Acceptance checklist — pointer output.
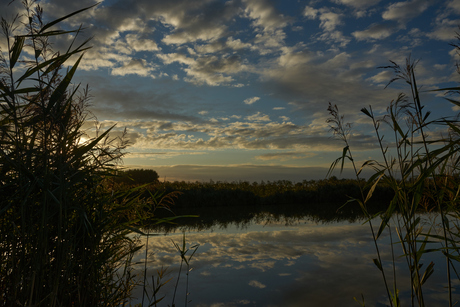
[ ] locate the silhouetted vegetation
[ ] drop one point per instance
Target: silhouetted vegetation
(423, 171)
(136, 176)
(61, 239)
(311, 194)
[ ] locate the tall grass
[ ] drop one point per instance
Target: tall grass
(63, 230)
(421, 169)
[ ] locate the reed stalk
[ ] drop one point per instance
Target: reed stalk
(420, 169)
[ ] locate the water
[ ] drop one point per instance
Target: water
(281, 263)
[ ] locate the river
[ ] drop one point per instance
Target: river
(269, 261)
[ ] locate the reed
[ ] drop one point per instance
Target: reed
(64, 231)
(421, 170)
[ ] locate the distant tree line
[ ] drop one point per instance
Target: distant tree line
(136, 176)
(327, 194)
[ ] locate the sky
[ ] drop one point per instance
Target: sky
(239, 89)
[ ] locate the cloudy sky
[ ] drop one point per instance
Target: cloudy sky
(239, 89)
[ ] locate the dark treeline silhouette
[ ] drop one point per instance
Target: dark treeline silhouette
(312, 193)
(136, 176)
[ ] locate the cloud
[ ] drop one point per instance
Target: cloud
(264, 15)
(284, 118)
(193, 21)
(405, 11)
(310, 12)
(184, 37)
(134, 67)
(222, 45)
(455, 5)
(334, 37)
(256, 284)
(251, 100)
(445, 29)
(444, 33)
(334, 77)
(207, 69)
(291, 57)
(329, 19)
(258, 117)
(375, 31)
(284, 156)
(382, 77)
(359, 4)
(141, 44)
(256, 134)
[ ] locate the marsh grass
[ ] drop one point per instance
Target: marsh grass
(421, 170)
(183, 250)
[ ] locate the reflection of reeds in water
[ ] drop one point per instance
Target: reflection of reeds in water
(422, 172)
(222, 217)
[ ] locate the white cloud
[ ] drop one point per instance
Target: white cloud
(169, 58)
(382, 77)
(210, 70)
(257, 284)
(141, 44)
(335, 37)
(201, 77)
(236, 44)
(284, 156)
(258, 117)
(310, 12)
(455, 5)
(251, 100)
(340, 60)
(187, 37)
(290, 57)
(406, 10)
(265, 15)
(133, 24)
(269, 42)
(445, 29)
(134, 67)
(359, 4)
(284, 118)
(329, 19)
(375, 32)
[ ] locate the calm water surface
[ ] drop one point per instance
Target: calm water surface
(281, 263)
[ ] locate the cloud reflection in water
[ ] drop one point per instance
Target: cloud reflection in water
(306, 264)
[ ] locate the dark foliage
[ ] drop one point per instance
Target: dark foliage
(311, 193)
(137, 176)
